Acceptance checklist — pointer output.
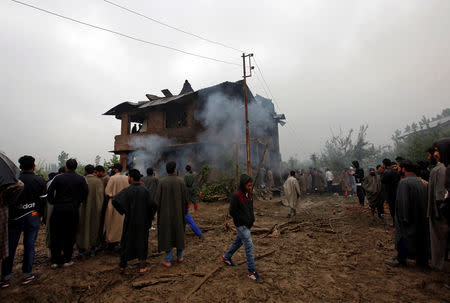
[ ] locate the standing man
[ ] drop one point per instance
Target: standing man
(25, 215)
(292, 193)
(65, 193)
(309, 184)
(411, 230)
(390, 179)
(302, 181)
(10, 189)
(359, 179)
(113, 219)
(329, 177)
(90, 214)
(241, 210)
(345, 182)
(138, 207)
(171, 197)
(150, 181)
(104, 177)
(372, 187)
(436, 197)
(190, 179)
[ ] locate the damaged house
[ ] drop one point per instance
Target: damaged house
(197, 127)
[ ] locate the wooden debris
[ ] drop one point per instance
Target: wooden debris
(199, 284)
(141, 284)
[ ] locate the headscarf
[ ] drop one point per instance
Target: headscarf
(355, 164)
(371, 167)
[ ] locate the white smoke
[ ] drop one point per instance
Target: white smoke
(223, 120)
(149, 149)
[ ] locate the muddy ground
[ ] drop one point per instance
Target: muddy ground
(330, 252)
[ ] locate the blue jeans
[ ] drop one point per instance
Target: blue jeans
(243, 237)
(193, 226)
(29, 224)
(169, 255)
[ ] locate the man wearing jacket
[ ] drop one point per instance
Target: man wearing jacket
(65, 193)
(24, 216)
(241, 210)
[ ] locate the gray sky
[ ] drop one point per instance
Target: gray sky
(329, 64)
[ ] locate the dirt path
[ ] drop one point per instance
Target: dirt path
(330, 252)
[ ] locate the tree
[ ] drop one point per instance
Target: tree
(114, 159)
(97, 160)
(413, 145)
(341, 149)
(62, 158)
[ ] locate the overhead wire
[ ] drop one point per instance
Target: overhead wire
(125, 35)
(264, 83)
(172, 27)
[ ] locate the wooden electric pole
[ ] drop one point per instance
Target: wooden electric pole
(247, 131)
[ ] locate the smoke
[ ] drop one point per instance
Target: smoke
(148, 151)
(223, 121)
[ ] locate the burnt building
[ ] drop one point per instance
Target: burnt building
(181, 119)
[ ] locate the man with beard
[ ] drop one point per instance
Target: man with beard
(411, 230)
(113, 219)
(138, 207)
(390, 179)
(359, 179)
(436, 204)
(372, 187)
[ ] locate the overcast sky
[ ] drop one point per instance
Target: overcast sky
(329, 64)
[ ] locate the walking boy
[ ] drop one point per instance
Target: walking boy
(241, 210)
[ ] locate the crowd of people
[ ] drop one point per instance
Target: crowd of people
(416, 194)
(115, 211)
(98, 211)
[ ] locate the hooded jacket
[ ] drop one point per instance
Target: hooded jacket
(359, 173)
(241, 204)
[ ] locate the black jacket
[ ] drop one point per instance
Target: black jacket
(390, 180)
(241, 205)
(67, 191)
(30, 199)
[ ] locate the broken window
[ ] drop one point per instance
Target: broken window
(176, 119)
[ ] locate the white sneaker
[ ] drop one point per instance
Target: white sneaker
(67, 264)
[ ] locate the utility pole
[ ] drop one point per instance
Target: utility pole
(247, 131)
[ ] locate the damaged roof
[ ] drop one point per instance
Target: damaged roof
(186, 91)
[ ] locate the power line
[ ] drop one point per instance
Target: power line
(124, 35)
(264, 83)
(172, 27)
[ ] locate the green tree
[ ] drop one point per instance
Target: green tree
(97, 160)
(412, 146)
(62, 158)
(114, 159)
